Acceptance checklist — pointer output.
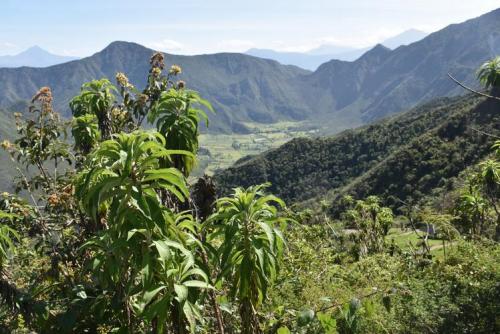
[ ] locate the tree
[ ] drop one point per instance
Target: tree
(96, 98)
(372, 222)
(10, 295)
(489, 73)
(177, 117)
(443, 224)
(144, 251)
(252, 244)
(479, 204)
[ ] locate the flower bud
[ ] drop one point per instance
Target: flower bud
(175, 69)
(6, 144)
(156, 71)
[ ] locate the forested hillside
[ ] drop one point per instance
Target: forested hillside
(405, 156)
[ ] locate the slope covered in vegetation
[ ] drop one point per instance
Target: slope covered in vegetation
(7, 132)
(404, 156)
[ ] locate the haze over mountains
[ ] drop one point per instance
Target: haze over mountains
(313, 58)
(243, 88)
(35, 56)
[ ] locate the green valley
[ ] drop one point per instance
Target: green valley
(220, 151)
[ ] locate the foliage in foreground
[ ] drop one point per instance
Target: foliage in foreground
(121, 242)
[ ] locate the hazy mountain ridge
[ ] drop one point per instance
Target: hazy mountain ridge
(34, 57)
(243, 88)
(312, 59)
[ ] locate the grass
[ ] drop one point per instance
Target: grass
(408, 239)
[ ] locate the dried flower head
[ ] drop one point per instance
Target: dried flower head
(122, 80)
(175, 69)
(156, 71)
(69, 189)
(44, 96)
(6, 145)
(142, 99)
(157, 60)
(26, 212)
(119, 114)
(181, 84)
(53, 200)
(17, 115)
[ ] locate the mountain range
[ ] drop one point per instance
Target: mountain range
(313, 58)
(243, 88)
(35, 56)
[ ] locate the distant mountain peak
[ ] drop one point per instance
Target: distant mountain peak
(312, 59)
(36, 48)
(247, 89)
(379, 48)
(406, 37)
(376, 52)
(35, 51)
(34, 56)
(121, 44)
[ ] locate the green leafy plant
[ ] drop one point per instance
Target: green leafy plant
(489, 73)
(96, 98)
(371, 221)
(252, 244)
(177, 118)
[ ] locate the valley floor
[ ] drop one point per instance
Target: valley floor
(220, 151)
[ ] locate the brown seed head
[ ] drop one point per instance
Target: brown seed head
(122, 80)
(157, 60)
(181, 84)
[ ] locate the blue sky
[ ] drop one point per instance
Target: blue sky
(80, 28)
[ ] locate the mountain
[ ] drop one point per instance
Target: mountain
(384, 81)
(406, 37)
(34, 57)
(405, 157)
(312, 59)
(242, 88)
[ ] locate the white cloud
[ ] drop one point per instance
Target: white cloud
(358, 40)
(7, 47)
(361, 39)
(235, 45)
(284, 47)
(70, 53)
(168, 45)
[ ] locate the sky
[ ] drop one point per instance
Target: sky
(83, 27)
